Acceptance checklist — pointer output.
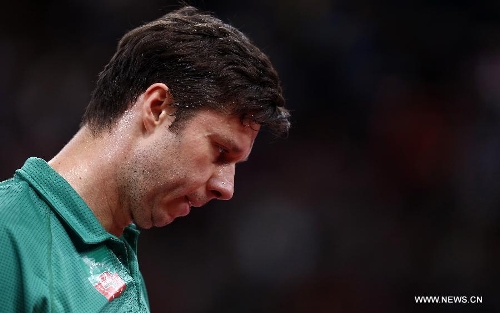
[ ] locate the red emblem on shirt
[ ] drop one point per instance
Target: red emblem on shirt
(110, 285)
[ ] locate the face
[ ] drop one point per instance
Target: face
(168, 173)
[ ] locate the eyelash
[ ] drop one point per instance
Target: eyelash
(222, 150)
(223, 154)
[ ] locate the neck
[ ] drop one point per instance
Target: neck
(90, 165)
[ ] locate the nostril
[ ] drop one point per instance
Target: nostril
(217, 194)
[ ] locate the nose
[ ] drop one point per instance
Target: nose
(221, 184)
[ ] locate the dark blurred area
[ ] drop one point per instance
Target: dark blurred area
(387, 187)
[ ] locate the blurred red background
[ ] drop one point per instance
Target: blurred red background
(386, 188)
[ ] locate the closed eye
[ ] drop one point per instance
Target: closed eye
(223, 150)
(222, 154)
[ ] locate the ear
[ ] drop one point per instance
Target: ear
(156, 107)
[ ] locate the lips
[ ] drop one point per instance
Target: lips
(194, 204)
(189, 201)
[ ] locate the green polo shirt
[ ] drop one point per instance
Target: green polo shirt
(54, 254)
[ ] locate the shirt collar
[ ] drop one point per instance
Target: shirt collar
(67, 203)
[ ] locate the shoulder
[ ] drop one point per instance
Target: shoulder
(24, 233)
(23, 214)
(18, 201)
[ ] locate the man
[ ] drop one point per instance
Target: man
(173, 112)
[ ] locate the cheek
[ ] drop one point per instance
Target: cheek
(178, 177)
(195, 161)
(176, 169)
(190, 175)
(143, 171)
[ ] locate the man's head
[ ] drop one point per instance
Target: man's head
(182, 100)
(205, 63)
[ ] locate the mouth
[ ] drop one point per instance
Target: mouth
(194, 204)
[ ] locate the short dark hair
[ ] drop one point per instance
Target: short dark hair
(205, 63)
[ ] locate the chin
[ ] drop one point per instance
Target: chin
(161, 220)
(169, 213)
(163, 223)
(143, 224)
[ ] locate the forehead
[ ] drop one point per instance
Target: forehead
(229, 127)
